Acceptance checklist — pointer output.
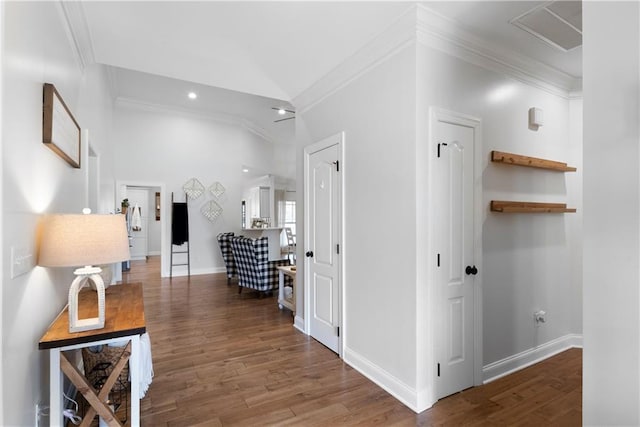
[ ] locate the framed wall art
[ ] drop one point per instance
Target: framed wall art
(60, 131)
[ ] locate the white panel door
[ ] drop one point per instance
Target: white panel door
(322, 177)
(455, 271)
(139, 239)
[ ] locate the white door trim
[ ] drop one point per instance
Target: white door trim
(438, 114)
(337, 139)
(2, 57)
(92, 153)
(164, 209)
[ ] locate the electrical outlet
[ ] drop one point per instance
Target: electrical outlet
(21, 261)
(539, 317)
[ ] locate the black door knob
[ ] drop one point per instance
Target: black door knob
(471, 270)
(309, 254)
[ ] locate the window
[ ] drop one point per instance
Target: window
(287, 219)
(290, 215)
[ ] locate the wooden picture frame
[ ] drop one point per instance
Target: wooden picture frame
(60, 131)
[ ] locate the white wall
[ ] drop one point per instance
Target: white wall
(528, 262)
(377, 114)
(284, 161)
(96, 104)
(611, 357)
(2, 264)
(37, 49)
(162, 146)
(575, 231)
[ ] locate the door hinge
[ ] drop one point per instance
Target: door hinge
(438, 260)
(338, 248)
(337, 331)
(337, 163)
(438, 369)
(444, 144)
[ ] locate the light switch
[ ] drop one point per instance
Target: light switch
(21, 261)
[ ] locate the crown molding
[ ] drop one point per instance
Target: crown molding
(421, 25)
(257, 130)
(79, 31)
(577, 93)
(228, 119)
(394, 38)
(439, 32)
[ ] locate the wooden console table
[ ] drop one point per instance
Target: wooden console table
(124, 320)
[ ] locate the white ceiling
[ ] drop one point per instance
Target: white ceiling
(489, 20)
(272, 49)
(252, 111)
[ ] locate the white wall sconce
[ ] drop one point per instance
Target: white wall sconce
(536, 118)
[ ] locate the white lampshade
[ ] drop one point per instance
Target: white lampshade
(84, 240)
(72, 240)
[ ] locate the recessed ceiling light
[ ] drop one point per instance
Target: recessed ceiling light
(192, 95)
(245, 170)
(282, 111)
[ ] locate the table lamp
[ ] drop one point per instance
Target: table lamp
(71, 240)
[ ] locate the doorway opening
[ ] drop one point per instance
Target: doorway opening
(146, 223)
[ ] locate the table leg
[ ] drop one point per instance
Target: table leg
(293, 295)
(55, 389)
(280, 288)
(134, 368)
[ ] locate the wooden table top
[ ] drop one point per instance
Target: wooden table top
(288, 269)
(124, 316)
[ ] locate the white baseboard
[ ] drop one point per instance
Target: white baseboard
(398, 389)
(182, 271)
(154, 253)
(514, 363)
(298, 323)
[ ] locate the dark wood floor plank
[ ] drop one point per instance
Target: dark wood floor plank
(228, 359)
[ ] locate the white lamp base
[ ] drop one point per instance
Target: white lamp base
(84, 275)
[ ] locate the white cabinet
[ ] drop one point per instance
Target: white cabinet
(265, 202)
(258, 197)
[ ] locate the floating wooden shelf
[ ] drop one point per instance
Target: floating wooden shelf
(531, 162)
(529, 207)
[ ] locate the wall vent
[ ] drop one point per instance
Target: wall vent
(557, 23)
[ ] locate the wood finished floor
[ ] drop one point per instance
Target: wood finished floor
(223, 359)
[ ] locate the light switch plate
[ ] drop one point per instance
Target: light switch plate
(21, 261)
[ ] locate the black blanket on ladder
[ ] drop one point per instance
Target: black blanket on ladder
(179, 224)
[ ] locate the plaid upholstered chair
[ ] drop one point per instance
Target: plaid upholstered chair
(224, 241)
(255, 271)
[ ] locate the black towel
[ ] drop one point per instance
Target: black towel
(179, 224)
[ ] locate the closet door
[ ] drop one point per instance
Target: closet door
(139, 238)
